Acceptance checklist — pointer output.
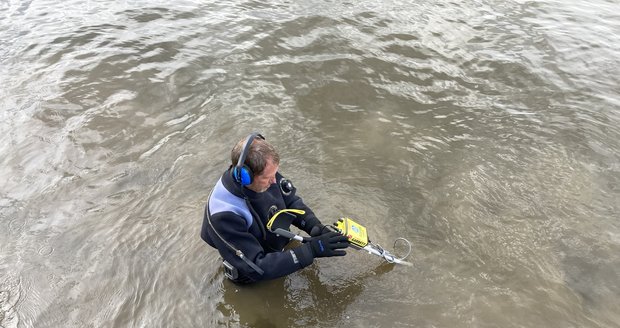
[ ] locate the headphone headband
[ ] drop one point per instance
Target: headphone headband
(246, 148)
(240, 172)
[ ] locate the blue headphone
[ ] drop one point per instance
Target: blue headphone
(241, 172)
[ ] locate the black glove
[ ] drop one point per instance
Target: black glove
(318, 230)
(328, 244)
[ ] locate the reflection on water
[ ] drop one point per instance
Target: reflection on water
(310, 299)
(486, 133)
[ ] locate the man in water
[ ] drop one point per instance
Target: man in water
(239, 207)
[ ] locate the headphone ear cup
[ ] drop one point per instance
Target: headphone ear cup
(246, 175)
(235, 174)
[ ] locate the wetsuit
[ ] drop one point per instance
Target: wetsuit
(240, 217)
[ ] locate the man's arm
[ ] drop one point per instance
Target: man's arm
(233, 229)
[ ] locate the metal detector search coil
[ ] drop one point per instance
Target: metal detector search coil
(355, 232)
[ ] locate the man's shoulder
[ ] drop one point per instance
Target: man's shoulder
(223, 203)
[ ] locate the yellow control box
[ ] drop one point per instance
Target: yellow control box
(355, 232)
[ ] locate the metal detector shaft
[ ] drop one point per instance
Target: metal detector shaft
(290, 235)
(372, 249)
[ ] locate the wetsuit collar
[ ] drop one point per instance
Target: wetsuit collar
(231, 185)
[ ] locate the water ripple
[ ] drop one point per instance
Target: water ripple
(486, 132)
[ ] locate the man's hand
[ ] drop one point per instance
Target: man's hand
(328, 244)
(319, 229)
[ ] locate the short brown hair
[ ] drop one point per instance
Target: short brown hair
(260, 152)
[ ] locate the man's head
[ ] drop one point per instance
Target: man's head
(262, 160)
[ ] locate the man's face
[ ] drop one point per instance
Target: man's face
(261, 182)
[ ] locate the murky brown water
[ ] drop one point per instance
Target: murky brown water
(485, 132)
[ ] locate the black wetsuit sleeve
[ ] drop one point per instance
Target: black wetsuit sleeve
(233, 229)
